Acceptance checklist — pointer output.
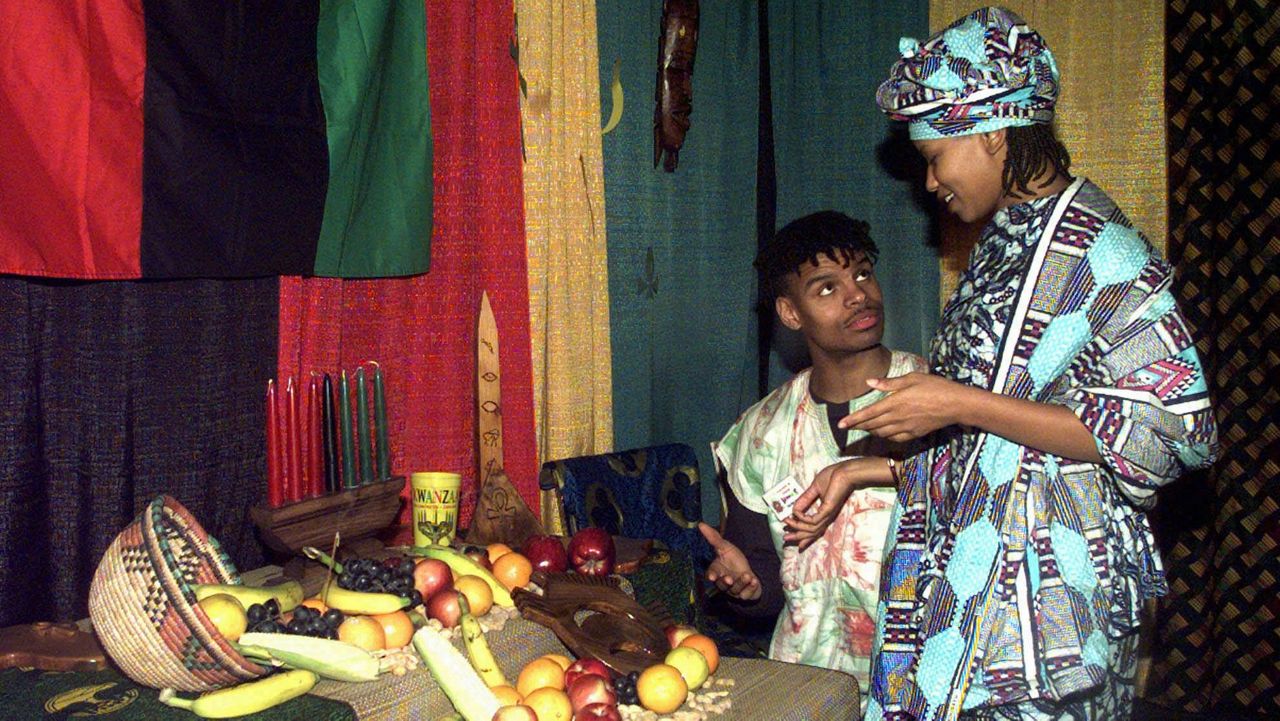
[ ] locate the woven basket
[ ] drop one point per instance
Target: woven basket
(144, 610)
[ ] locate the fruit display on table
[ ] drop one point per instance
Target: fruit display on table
(681, 688)
(374, 616)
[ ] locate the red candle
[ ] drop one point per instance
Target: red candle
(275, 487)
(315, 456)
(293, 474)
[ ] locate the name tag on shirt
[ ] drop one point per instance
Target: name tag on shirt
(782, 497)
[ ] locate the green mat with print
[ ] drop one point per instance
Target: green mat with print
(31, 694)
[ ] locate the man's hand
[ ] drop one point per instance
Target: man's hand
(730, 570)
(833, 485)
(917, 404)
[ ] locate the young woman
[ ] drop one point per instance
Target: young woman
(1065, 389)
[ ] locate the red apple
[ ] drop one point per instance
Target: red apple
(586, 667)
(596, 712)
(479, 554)
(587, 690)
(547, 554)
(431, 575)
(678, 632)
(591, 552)
(444, 607)
(517, 712)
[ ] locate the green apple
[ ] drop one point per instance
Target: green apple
(691, 665)
(227, 614)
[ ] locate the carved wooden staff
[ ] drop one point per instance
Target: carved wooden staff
(501, 515)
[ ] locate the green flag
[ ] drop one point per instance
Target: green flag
(372, 59)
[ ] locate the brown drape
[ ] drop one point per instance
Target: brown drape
(1218, 643)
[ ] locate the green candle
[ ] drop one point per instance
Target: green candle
(348, 444)
(362, 421)
(380, 420)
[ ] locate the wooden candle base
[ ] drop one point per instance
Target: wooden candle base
(356, 513)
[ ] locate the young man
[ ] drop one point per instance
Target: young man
(820, 271)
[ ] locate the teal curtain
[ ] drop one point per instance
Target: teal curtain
(834, 149)
(680, 244)
(682, 289)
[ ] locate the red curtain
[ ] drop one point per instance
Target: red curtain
(422, 329)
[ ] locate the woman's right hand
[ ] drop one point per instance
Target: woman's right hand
(833, 485)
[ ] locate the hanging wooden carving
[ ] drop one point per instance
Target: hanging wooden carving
(677, 47)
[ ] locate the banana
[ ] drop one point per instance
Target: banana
(478, 650)
(463, 565)
(288, 594)
(361, 603)
(245, 698)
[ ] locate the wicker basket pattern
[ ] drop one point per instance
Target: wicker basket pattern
(144, 610)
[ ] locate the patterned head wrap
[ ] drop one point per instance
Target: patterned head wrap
(986, 71)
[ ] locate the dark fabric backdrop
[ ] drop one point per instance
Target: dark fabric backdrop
(833, 148)
(115, 392)
(1218, 636)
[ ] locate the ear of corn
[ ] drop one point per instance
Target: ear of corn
(459, 681)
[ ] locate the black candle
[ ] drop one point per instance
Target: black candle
(330, 432)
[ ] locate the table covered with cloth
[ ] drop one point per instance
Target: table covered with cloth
(763, 690)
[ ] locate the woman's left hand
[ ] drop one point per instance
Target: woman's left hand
(917, 404)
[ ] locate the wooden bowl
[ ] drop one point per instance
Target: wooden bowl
(356, 513)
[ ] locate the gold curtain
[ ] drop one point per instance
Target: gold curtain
(564, 227)
(1110, 114)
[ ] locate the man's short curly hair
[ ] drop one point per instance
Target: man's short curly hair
(826, 232)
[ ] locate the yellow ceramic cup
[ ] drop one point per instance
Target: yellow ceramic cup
(435, 507)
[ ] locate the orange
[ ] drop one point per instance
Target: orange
(479, 595)
(364, 632)
(507, 695)
(551, 704)
(497, 550)
(661, 688)
(397, 628)
(539, 673)
(315, 603)
(513, 570)
(706, 647)
(564, 661)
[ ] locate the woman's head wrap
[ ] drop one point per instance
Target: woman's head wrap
(986, 71)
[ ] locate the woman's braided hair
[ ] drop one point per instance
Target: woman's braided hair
(1032, 149)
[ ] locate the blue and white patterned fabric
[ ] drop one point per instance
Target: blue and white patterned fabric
(1014, 578)
(650, 492)
(986, 71)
